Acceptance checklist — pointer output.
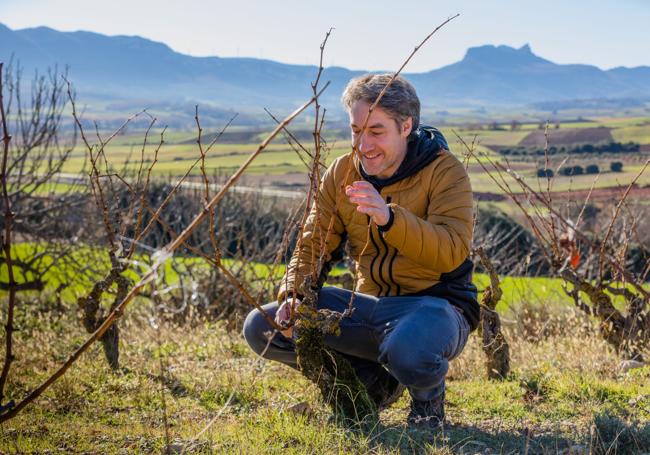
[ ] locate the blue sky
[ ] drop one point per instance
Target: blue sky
(368, 35)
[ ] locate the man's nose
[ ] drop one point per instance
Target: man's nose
(366, 144)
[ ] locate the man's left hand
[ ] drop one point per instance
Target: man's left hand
(369, 201)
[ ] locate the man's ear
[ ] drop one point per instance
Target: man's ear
(407, 125)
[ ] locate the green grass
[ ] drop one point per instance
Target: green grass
(485, 137)
(621, 122)
(220, 398)
(639, 134)
(536, 291)
(49, 188)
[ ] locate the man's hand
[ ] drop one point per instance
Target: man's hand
(283, 315)
(369, 201)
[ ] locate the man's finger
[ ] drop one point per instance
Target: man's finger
(364, 195)
(372, 211)
(368, 187)
(367, 194)
(367, 202)
(362, 183)
(282, 314)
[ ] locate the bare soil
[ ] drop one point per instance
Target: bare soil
(612, 193)
(297, 181)
(568, 137)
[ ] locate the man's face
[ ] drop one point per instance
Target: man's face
(383, 146)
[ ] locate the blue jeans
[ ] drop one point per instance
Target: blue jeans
(414, 338)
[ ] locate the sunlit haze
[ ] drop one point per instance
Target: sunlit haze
(368, 35)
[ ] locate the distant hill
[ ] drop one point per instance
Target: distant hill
(132, 68)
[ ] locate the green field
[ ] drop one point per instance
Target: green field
(640, 134)
(535, 291)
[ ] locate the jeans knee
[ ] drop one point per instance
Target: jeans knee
(414, 367)
(253, 331)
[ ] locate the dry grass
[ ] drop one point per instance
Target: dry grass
(565, 382)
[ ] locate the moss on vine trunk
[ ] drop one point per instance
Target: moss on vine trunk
(328, 369)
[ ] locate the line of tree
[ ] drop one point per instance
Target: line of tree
(567, 171)
(583, 149)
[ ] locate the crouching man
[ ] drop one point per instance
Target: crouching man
(415, 304)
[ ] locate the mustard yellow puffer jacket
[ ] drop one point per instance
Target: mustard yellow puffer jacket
(430, 235)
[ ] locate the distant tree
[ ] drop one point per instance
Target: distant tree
(515, 125)
(545, 173)
(592, 169)
(571, 170)
(616, 166)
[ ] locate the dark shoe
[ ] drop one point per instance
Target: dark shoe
(385, 391)
(427, 414)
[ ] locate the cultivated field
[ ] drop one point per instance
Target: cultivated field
(280, 165)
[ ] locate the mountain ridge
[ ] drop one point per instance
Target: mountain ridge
(126, 67)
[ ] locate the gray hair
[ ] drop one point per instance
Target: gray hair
(399, 101)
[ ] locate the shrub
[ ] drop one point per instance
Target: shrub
(572, 170)
(616, 166)
(510, 246)
(547, 173)
(592, 169)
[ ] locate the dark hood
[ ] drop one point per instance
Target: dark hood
(424, 144)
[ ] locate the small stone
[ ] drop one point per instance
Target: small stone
(175, 448)
(577, 449)
(627, 365)
(301, 408)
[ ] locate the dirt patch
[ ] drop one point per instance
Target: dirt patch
(612, 193)
(568, 137)
(297, 181)
(476, 168)
(489, 197)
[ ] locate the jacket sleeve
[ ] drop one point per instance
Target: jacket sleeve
(304, 260)
(440, 242)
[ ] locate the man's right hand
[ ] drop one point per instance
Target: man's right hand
(283, 315)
